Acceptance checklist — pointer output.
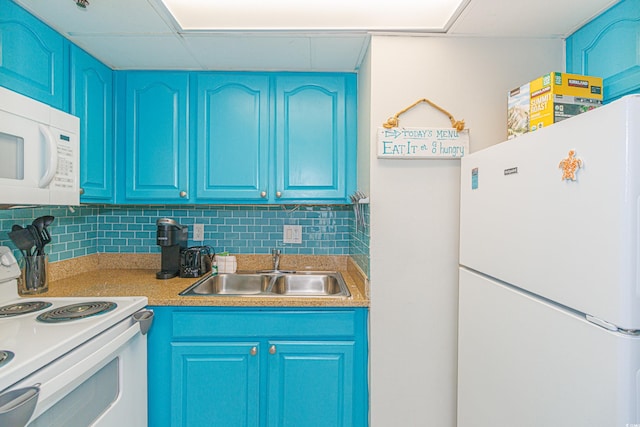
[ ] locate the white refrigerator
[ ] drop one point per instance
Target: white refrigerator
(549, 315)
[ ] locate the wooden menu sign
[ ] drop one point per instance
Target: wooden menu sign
(422, 143)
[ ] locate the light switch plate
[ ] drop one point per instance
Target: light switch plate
(198, 232)
(292, 234)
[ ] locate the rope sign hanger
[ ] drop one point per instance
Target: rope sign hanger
(393, 122)
(396, 142)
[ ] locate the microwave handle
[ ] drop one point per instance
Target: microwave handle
(51, 159)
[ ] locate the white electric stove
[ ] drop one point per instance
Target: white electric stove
(59, 352)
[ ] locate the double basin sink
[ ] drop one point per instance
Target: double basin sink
(271, 283)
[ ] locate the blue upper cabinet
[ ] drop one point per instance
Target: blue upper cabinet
(33, 58)
(92, 102)
(608, 47)
(232, 127)
(275, 137)
(156, 149)
(315, 137)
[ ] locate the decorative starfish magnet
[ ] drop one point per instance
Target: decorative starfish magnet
(570, 166)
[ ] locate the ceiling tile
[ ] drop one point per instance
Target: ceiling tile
(101, 16)
(338, 53)
(250, 52)
(522, 18)
(139, 34)
(138, 52)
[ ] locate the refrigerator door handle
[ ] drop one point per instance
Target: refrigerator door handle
(602, 323)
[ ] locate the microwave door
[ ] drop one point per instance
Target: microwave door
(25, 159)
(11, 160)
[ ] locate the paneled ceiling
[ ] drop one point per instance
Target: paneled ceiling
(142, 34)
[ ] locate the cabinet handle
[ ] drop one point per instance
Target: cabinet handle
(278, 194)
(81, 191)
(183, 194)
(272, 349)
(263, 194)
(253, 351)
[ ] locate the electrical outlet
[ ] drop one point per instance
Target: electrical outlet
(292, 234)
(198, 232)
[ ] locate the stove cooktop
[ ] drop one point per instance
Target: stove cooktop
(36, 343)
(22, 307)
(33, 343)
(77, 311)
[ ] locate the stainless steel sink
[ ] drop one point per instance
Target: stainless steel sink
(307, 284)
(229, 284)
(298, 284)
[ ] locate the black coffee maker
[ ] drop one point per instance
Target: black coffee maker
(172, 238)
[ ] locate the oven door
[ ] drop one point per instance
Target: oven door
(101, 383)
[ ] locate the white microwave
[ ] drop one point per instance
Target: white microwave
(39, 153)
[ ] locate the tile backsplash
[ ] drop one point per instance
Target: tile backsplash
(74, 232)
(326, 230)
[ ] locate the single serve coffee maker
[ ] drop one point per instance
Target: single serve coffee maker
(172, 238)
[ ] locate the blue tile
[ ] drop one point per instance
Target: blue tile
(243, 229)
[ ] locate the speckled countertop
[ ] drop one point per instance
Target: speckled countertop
(135, 275)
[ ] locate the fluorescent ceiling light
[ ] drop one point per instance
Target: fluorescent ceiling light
(314, 15)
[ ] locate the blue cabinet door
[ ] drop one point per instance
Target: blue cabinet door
(215, 384)
(157, 137)
(92, 102)
(33, 58)
(217, 366)
(311, 384)
(232, 147)
(315, 137)
(608, 47)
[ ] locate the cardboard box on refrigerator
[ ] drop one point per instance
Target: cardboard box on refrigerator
(559, 96)
(551, 98)
(518, 107)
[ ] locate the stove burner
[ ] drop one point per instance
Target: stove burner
(23, 308)
(76, 311)
(5, 357)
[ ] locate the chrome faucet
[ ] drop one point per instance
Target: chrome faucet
(275, 257)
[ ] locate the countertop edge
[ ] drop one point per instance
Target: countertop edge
(93, 281)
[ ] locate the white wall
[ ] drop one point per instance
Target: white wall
(364, 122)
(414, 208)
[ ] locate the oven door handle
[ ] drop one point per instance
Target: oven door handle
(51, 391)
(17, 406)
(145, 319)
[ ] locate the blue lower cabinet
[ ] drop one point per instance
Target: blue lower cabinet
(253, 367)
(311, 384)
(216, 384)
